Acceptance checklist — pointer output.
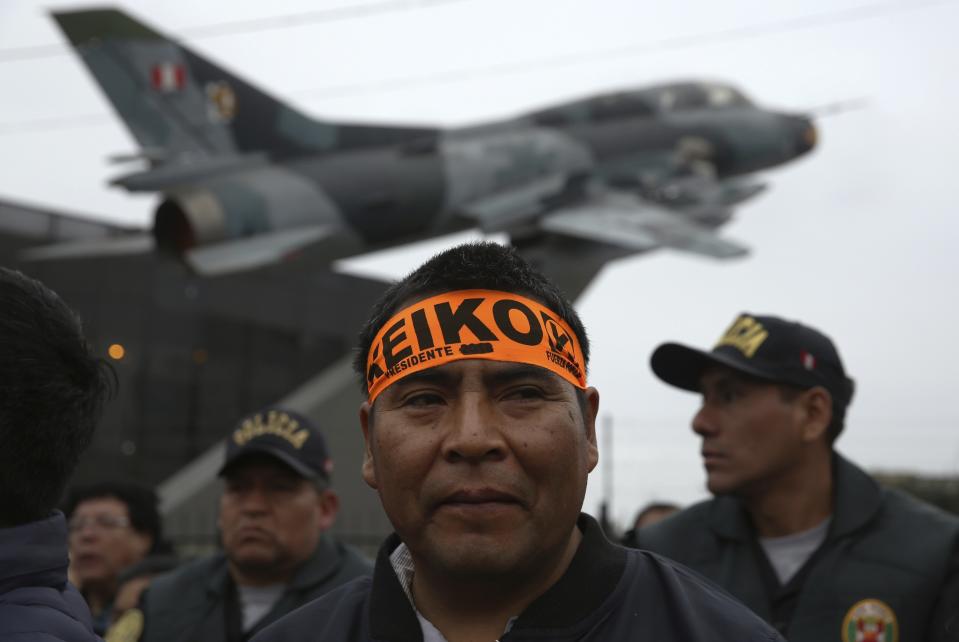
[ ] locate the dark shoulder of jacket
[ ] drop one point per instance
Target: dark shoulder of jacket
(338, 616)
(45, 614)
(178, 592)
(188, 578)
(905, 524)
(354, 562)
(680, 536)
(709, 612)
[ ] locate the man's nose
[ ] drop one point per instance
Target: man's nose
(704, 422)
(254, 500)
(474, 432)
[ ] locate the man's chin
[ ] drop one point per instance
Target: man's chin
(254, 560)
(473, 555)
(475, 565)
(95, 579)
(720, 485)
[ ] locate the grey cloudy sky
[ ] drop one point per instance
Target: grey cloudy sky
(859, 238)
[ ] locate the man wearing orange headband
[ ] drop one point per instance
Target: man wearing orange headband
(480, 432)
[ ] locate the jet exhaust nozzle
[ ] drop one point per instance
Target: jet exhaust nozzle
(187, 220)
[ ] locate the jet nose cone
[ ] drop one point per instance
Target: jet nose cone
(807, 135)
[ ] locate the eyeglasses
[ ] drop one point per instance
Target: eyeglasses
(102, 522)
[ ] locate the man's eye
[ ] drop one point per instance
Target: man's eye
(525, 392)
(422, 399)
(728, 395)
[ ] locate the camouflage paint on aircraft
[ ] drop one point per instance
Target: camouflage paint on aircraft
(246, 180)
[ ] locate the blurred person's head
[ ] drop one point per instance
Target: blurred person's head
(112, 526)
(479, 426)
(276, 501)
(774, 399)
(53, 391)
(653, 512)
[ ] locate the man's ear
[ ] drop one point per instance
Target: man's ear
(366, 423)
(816, 406)
(328, 504)
(589, 417)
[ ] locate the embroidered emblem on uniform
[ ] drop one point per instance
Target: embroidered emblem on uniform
(870, 620)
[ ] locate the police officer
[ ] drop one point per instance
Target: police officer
(274, 511)
(480, 433)
(797, 532)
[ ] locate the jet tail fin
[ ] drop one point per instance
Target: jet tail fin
(172, 99)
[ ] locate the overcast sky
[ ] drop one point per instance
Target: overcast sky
(859, 239)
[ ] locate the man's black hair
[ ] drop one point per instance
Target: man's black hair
(479, 265)
(52, 391)
(141, 502)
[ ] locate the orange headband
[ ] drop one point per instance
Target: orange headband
(472, 324)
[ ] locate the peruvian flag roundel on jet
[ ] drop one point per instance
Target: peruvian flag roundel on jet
(167, 77)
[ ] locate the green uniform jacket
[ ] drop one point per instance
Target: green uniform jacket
(881, 545)
(189, 604)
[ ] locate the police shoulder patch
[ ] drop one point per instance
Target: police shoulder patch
(870, 620)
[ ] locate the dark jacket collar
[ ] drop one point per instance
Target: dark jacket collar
(322, 564)
(592, 575)
(857, 499)
(34, 554)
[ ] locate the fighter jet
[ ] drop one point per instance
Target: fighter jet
(246, 180)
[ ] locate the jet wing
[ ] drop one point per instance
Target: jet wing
(512, 207)
(254, 252)
(33, 224)
(626, 221)
(25, 227)
(87, 248)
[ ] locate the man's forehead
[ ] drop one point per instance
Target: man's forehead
(101, 504)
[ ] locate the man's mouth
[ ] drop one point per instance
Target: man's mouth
(253, 533)
(86, 559)
(475, 500)
(712, 457)
(480, 496)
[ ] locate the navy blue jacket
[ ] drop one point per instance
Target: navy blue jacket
(882, 546)
(197, 602)
(37, 604)
(608, 594)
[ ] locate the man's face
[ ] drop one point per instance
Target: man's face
(751, 434)
(102, 542)
(271, 518)
(481, 465)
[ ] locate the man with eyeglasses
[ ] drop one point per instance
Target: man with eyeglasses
(52, 390)
(112, 526)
